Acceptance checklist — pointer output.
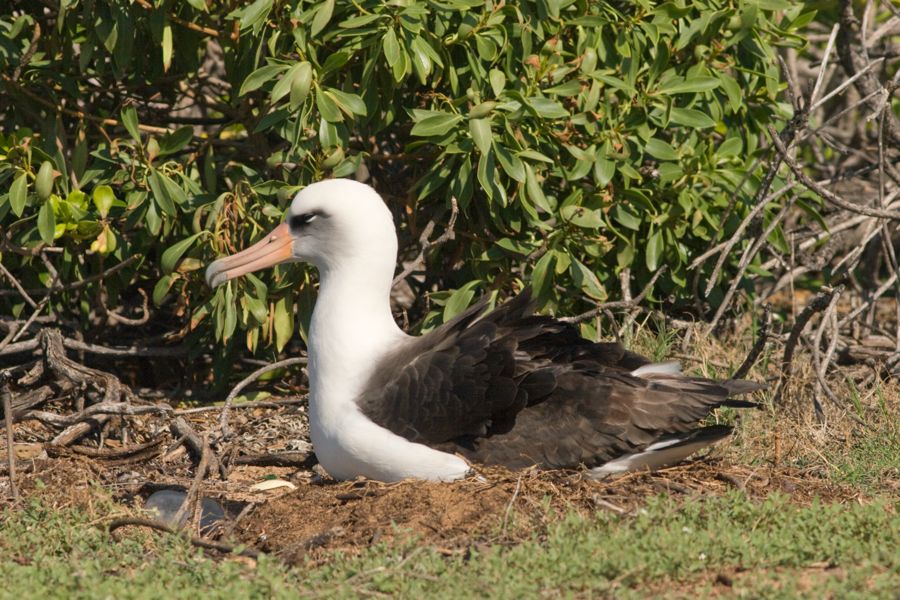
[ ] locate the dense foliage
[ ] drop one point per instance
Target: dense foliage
(142, 138)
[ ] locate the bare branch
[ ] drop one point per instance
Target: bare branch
(618, 304)
(223, 416)
(428, 245)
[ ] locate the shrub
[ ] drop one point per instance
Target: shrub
(578, 139)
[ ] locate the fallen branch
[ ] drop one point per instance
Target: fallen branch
(181, 428)
(192, 498)
(100, 409)
(10, 445)
(111, 454)
(70, 344)
(196, 541)
(77, 431)
(300, 460)
(244, 405)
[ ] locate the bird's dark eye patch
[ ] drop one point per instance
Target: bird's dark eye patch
(299, 221)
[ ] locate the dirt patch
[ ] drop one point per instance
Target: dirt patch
(456, 516)
(500, 507)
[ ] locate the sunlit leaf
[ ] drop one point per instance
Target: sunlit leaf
(46, 222)
(480, 129)
(130, 121)
(18, 194)
(173, 253)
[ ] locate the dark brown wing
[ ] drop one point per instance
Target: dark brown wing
(512, 388)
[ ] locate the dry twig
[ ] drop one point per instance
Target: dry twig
(426, 245)
(819, 303)
(223, 416)
(196, 541)
(10, 445)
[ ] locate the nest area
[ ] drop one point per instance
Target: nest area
(75, 427)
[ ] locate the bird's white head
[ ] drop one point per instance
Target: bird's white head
(330, 224)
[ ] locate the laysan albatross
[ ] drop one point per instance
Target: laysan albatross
(504, 387)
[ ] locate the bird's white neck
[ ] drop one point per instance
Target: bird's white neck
(352, 328)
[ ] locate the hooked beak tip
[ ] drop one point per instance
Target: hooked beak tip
(215, 275)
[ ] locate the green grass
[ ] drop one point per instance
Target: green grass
(872, 460)
(771, 548)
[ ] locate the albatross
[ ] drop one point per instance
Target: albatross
(504, 387)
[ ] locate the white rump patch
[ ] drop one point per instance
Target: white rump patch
(670, 367)
(656, 456)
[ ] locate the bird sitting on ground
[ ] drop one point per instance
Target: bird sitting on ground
(503, 387)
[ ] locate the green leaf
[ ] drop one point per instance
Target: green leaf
(511, 163)
(582, 217)
(540, 276)
(284, 322)
(230, 324)
(730, 147)
(691, 118)
(436, 124)
(175, 141)
(18, 194)
(391, 47)
(162, 288)
(679, 85)
(480, 129)
(604, 170)
(283, 87)
(653, 251)
(498, 81)
(254, 15)
(323, 15)
(395, 54)
(173, 253)
(625, 215)
(130, 121)
(534, 191)
(347, 102)
(421, 58)
(547, 108)
(569, 88)
(166, 192)
(257, 78)
(327, 106)
(166, 46)
(46, 222)
(359, 21)
(660, 149)
(534, 155)
(272, 119)
(257, 308)
(459, 300)
(103, 198)
(43, 182)
(301, 80)
(587, 281)
(733, 91)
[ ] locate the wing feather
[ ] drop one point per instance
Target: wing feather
(509, 387)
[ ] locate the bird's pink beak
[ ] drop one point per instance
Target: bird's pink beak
(273, 249)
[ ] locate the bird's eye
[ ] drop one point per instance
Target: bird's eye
(298, 221)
